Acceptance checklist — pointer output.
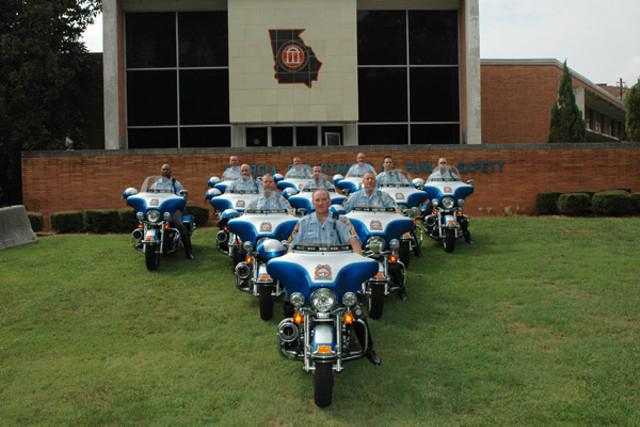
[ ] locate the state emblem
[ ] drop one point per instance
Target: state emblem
(265, 227)
(375, 225)
(323, 272)
(240, 204)
(399, 196)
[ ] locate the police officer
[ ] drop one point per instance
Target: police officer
(321, 228)
(360, 167)
(369, 196)
(319, 180)
(390, 175)
(232, 172)
(246, 181)
(174, 186)
(298, 170)
(270, 198)
(443, 170)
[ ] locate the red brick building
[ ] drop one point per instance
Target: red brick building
(518, 94)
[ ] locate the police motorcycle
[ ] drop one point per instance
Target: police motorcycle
(154, 206)
(260, 232)
(445, 222)
(301, 200)
(297, 181)
(409, 196)
(322, 283)
(380, 231)
(347, 185)
(230, 204)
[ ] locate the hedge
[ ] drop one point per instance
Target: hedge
(36, 221)
(547, 203)
(587, 192)
(101, 220)
(67, 222)
(636, 199)
(574, 204)
(200, 214)
(613, 203)
(127, 220)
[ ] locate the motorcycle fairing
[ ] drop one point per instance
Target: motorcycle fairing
(393, 225)
(296, 271)
(296, 183)
(405, 195)
(222, 185)
(238, 201)
(248, 226)
(303, 200)
(163, 202)
(440, 189)
(352, 184)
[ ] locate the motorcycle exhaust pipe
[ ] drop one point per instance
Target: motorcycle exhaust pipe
(222, 236)
(288, 332)
(243, 270)
(137, 234)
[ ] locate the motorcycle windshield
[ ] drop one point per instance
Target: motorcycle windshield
(157, 184)
(394, 178)
(310, 267)
(157, 194)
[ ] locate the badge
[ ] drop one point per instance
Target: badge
(240, 204)
(447, 190)
(323, 272)
(375, 225)
(265, 227)
(399, 196)
(154, 202)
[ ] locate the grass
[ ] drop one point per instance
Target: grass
(534, 324)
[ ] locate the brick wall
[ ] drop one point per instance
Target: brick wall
(93, 179)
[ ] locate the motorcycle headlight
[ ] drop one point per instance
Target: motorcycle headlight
(153, 216)
(296, 299)
(349, 299)
(448, 202)
(248, 247)
(323, 300)
(394, 244)
(140, 216)
(375, 244)
(167, 216)
(461, 202)
(435, 203)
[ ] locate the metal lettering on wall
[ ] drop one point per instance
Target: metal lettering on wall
(414, 168)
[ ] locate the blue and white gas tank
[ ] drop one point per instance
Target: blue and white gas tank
(256, 224)
(308, 268)
(382, 222)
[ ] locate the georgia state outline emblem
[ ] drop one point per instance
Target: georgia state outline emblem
(265, 227)
(323, 272)
(375, 225)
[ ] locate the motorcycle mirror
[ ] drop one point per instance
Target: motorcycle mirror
(470, 182)
(129, 192)
(213, 181)
(183, 193)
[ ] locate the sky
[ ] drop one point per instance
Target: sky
(599, 39)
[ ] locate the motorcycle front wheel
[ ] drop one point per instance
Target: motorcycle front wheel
(323, 393)
(266, 301)
(151, 257)
(375, 302)
(449, 241)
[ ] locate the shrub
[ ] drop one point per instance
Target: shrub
(127, 220)
(101, 220)
(636, 201)
(587, 192)
(612, 203)
(201, 214)
(36, 221)
(574, 203)
(628, 190)
(67, 222)
(547, 203)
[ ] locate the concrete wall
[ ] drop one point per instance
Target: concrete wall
(506, 176)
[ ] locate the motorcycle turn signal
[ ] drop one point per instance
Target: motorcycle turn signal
(297, 318)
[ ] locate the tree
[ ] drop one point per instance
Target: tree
(567, 124)
(632, 104)
(44, 70)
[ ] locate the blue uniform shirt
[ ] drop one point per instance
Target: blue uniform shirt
(391, 177)
(271, 200)
(242, 185)
(167, 184)
(359, 169)
(298, 171)
(310, 231)
(231, 173)
(443, 172)
(378, 199)
(322, 183)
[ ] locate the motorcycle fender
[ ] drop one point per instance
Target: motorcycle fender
(450, 221)
(151, 236)
(323, 342)
(263, 275)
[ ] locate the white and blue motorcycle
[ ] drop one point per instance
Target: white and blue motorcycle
(261, 233)
(322, 283)
(154, 206)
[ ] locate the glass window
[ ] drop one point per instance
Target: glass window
(204, 97)
(434, 94)
(282, 136)
(151, 40)
(202, 39)
(382, 135)
(435, 134)
(382, 37)
(153, 138)
(151, 98)
(205, 137)
(433, 37)
(256, 137)
(332, 135)
(382, 94)
(306, 135)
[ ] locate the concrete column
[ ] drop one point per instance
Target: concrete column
(350, 134)
(472, 52)
(110, 73)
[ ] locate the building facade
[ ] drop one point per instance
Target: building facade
(278, 73)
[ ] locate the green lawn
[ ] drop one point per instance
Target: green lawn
(534, 324)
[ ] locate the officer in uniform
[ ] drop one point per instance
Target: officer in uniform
(246, 182)
(298, 170)
(319, 180)
(320, 228)
(173, 185)
(232, 172)
(270, 198)
(390, 175)
(369, 196)
(360, 167)
(443, 170)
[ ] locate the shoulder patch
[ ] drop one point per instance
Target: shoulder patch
(296, 229)
(346, 221)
